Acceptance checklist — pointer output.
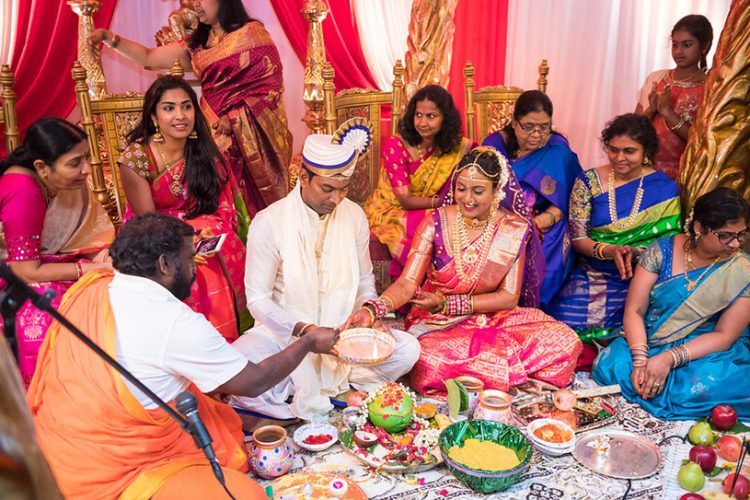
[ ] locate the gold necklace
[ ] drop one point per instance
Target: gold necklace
(612, 202)
(214, 38)
(176, 186)
(685, 81)
(686, 250)
(422, 153)
(463, 252)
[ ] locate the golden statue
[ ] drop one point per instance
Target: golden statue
(430, 44)
(314, 11)
(182, 21)
(88, 56)
(717, 153)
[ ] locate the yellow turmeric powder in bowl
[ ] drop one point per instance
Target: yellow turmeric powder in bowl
(484, 455)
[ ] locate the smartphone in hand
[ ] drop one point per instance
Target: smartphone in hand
(209, 246)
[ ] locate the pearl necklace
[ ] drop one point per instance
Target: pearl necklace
(463, 253)
(612, 201)
(176, 186)
(691, 284)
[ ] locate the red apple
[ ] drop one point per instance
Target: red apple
(729, 448)
(705, 456)
(724, 417)
(692, 496)
(741, 487)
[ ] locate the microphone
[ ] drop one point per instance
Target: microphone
(188, 406)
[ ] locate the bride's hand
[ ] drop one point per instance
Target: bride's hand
(361, 318)
(426, 300)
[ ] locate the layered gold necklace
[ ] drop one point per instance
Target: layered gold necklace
(466, 254)
(612, 202)
(176, 187)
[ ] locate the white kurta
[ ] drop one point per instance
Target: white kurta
(286, 282)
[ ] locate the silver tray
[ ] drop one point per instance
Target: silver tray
(617, 453)
(365, 346)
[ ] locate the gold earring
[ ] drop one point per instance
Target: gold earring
(193, 134)
(646, 161)
(158, 138)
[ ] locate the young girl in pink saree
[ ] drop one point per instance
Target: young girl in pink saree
(479, 257)
(172, 166)
(52, 230)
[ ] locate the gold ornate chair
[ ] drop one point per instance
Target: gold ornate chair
(107, 122)
(369, 104)
(8, 117)
(491, 108)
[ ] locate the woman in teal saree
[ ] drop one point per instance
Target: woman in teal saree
(686, 345)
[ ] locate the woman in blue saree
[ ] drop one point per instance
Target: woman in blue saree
(546, 168)
(686, 346)
(616, 210)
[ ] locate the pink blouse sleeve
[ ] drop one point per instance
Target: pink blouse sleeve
(23, 209)
(395, 161)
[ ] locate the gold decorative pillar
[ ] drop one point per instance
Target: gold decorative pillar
(329, 93)
(89, 126)
(89, 57)
(541, 84)
(8, 97)
(717, 153)
(430, 44)
(397, 106)
(314, 11)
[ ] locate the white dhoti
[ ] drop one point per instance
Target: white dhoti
(258, 344)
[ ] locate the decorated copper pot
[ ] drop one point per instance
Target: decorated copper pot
(495, 405)
(270, 453)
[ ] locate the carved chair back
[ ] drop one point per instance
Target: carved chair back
(107, 122)
(8, 117)
(491, 108)
(372, 105)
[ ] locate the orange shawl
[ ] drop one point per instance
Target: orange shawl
(99, 441)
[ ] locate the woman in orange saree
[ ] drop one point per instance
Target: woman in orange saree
(471, 314)
(172, 166)
(242, 86)
(416, 169)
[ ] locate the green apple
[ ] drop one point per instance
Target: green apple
(691, 477)
(701, 433)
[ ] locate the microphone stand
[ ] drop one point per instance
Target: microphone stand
(12, 298)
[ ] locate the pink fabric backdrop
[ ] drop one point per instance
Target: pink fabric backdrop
(44, 51)
(340, 36)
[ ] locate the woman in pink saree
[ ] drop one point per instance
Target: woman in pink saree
(172, 166)
(53, 230)
(472, 315)
(240, 72)
(671, 98)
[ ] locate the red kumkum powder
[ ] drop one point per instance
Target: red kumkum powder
(317, 439)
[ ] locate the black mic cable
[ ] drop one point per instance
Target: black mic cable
(188, 406)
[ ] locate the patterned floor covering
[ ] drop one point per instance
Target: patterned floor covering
(548, 477)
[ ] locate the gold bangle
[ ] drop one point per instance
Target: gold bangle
(433, 203)
(372, 314)
(639, 344)
(675, 361)
(678, 125)
(79, 270)
(552, 216)
(301, 332)
(388, 302)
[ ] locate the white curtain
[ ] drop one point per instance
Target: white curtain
(8, 19)
(599, 53)
(383, 28)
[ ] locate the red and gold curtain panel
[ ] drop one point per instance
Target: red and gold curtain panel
(480, 37)
(340, 36)
(45, 48)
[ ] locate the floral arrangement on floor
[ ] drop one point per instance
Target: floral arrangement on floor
(415, 442)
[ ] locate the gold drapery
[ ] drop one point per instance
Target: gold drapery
(430, 44)
(717, 153)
